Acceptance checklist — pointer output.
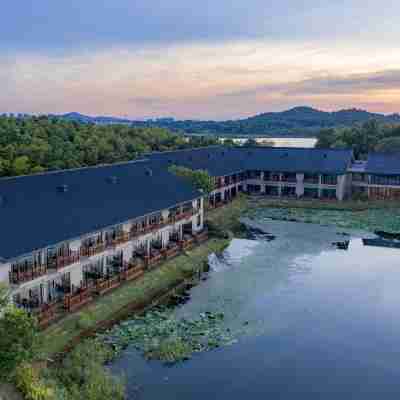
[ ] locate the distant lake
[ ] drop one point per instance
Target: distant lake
(279, 142)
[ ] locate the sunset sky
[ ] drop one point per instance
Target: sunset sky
(214, 59)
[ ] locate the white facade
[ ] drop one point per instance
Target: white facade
(44, 287)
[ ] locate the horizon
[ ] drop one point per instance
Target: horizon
(200, 61)
(160, 117)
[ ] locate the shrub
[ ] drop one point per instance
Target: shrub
(27, 380)
(171, 350)
(84, 376)
(85, 321)
(18, 339)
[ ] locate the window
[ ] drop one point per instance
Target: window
(329, 179)
(385, 180)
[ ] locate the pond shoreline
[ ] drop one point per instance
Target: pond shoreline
(151, 289)
(224, 223)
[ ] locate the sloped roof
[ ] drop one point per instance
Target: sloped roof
(383, 164)
(35, 212)
(310, 160)
(219, 160)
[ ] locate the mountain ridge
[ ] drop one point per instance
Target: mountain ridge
(302, 121)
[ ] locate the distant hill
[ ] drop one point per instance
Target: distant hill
(298, 121)
(74, 116)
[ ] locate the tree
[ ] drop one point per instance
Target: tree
(18, 339)
(21, 165)
(200, 179)
(326, 138)
(370, 136)
(251, 142)
(84, 376)
(390, 144)
(36, 144)
(229, 142)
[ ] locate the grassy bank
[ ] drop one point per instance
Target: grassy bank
(227, 218)
(367, 216)
(59, 335)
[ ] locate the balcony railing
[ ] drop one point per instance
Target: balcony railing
(73, 302)
(21, 276)
(311, 181)
(64, 261)
(92, 250)
(289, 180)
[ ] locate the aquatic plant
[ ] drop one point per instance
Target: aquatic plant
(161, 336)
(370, 220)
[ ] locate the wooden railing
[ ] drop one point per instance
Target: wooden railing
(91, 251)
(186, 242)
(18, 277)
(132, 270)
(129, 271)
(201, 236)
(106, 284)
(46, 314)
(171, 251)
(64, 261)
(72, 302)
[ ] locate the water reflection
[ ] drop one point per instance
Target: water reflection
(318, 322)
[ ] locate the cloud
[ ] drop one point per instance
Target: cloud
(328, 85)
(202, 80)
(44, 25)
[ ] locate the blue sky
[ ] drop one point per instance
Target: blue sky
(190, 59)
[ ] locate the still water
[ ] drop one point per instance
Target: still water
(316, 323)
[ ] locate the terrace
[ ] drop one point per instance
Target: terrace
(312, 179)
(272, 177)
(289, 178)
(385, 180)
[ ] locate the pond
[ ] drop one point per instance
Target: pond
(313, 322)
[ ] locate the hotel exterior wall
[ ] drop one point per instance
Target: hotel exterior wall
(341, 188)
(76, 269)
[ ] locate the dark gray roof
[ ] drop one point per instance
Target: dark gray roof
(35, 212)
(219, 160)
(310, 160)
(383, 164)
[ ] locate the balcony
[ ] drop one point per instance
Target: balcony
(289, 179)
(187, 242)
(311, 181)
(171, 250)
(64, 261)
(73, 302)
(202, 236)
(46, 314)
(120, 239)
(183, 215)
(132, 270)
(17, 277)
(89, 251)
(107, 284)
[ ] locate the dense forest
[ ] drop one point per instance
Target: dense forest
(365, 138)
(35, 144)
(296, 122)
